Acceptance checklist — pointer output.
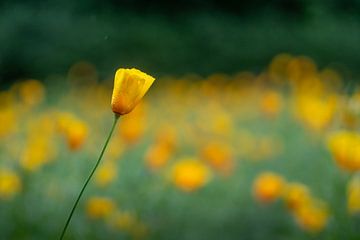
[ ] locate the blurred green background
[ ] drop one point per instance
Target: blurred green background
(174, 37)
(213, 155)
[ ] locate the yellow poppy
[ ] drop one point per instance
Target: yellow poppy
(130, 86)
(189, 174)
(268, 187)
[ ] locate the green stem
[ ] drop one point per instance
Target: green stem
(88, 179)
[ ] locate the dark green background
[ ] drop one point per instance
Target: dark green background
(38, 39)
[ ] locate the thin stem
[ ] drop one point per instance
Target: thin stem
(88, 179)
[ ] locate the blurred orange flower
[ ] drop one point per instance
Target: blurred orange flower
(268, 187)
(219, 156)
(313, 216)
(271, 103)
(157, 155)
(74, 130)
(189, 174)
(133, 126)
(295, 195)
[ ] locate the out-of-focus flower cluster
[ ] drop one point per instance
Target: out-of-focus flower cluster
(189, 132)
(309, 212)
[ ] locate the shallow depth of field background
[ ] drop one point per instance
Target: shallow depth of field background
(250, 130)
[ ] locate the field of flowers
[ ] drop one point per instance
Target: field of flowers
(272, 155)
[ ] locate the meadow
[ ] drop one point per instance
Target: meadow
(268, 155)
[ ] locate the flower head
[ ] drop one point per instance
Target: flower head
(219, 156)
(344, 146)
(99, 207)
(296, 195)
(190, 174)
(268, 187)
(10, 184)
(313, 216)
(130, 86)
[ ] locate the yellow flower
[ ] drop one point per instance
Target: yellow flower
(133, 126)
(99, 207)
(345, 148)
(115, 150)
(167, 135)
(31, 92)
(77, 134)
(189, 174)
(353, 195)
(10, 184)
(39, 148)
(106, 174)
(313, 216)
(74, 130)
(314, 111)
(219, 156)
(271, 103)
(8, 120)
(268, 187)
(161, 151)
(221, 123)
(296, 195)
(158, 155)
(129, 87)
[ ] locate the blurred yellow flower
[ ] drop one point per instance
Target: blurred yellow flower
(219, 156)
(31, 92)
(353, 195)
(157, 155)
(106, 174)
(10, 184)
(40, 147)
(268, 187)
(162, 149)
(278, 68)
(314, 111)
(115, 150)
(345, 149)
(167, 135)
(76, 135)
(189, 174)
(8, 120)
(74, 130)
(100, 207)
(133, 126)
(300, 68)
(130, 86)
(271, 103)
(313, 216)
(295, 195)
(221, 123)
